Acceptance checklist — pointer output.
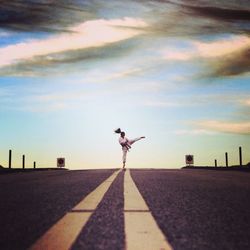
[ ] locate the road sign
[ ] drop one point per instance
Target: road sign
(60, 162)
(189, 159)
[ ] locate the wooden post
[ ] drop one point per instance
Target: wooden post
(215, 163)
(34, 164)
(10, 158)
(23, 161)
(226, 159)
(240, 156)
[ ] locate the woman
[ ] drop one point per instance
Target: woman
(126, 144)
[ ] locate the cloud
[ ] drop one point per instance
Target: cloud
(70, 61)
(162, 104)
(178, 56)
(47, 101)
(228, 57)
(4, 34)
(48, 16)
(225, 127)
(194, 132)
(225, 57)
(92, 40)
(132, 88)
(234, 64)
(196, 18)
(124, 74)
(174, 17)
(220, 13)
(45, 108)
(222, 47)
(245, 102)
(70, 23)
(237, 99)
(89, 34)
(218, 48)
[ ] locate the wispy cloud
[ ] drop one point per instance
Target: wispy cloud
(47, 101)
(173, 55)
(84, 25)
(194, 132)
(89, 34)
(4, 34)
(70, 61)
(45, 108)
(245, 102)
(125, 73)
(162, 104)
(220, 13)
(218, 48)
(48, 16)
(225, 57)
(225, 127)
(200, 20)
(237, 63)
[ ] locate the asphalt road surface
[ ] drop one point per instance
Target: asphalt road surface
(92, 209)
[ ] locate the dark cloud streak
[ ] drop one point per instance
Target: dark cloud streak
(220, 13)
(234, 64)
(53, 64)
(48, 16)
(198, 19)
(188, 19)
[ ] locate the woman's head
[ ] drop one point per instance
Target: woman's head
(118, 131)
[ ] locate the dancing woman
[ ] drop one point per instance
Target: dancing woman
(126, 144)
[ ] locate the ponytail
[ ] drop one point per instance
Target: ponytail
(118, 131)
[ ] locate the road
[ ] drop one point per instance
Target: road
(135, 209)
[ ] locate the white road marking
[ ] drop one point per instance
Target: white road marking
(64, 233)
(141, 230)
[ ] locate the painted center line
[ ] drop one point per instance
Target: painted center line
(63, 234)
(141, 230)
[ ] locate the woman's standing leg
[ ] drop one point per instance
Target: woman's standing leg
(124, 156)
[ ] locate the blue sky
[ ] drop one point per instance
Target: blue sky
(175, 72)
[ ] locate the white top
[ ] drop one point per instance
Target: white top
(123, 141)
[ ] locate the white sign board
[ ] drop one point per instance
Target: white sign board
(189, 159)
(60, 162)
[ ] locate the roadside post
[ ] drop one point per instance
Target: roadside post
(23, 161)
(60, 162)
(240, 156)
(189, 160)
(226, 156)
(10, 158)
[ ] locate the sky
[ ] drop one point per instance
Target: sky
(176, 71)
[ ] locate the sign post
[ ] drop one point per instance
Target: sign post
(23, 161)
(10, 158)
(240, 156)
(226, 156)
(60, 162)
(189, 160)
